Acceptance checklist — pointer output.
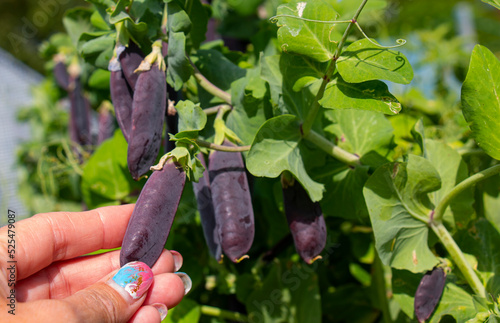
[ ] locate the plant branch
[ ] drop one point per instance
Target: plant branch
(217, 312)
(315, 106)
(214, 110)
(209, 86)
(213, 146)
(458, 258)
(460, 187)
(378, 278)
(332, 149)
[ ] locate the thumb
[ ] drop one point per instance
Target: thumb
(116, 299)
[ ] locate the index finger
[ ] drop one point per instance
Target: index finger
(49, 237)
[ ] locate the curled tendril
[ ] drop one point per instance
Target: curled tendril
(284, 47)
(330, 35)
(275, 19)
(400, 42)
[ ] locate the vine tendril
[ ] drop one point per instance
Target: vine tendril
(400, 42)
(274, 19)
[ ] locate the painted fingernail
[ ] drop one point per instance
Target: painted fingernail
(162, 308)
(186, 280)
(135, 278)
(177, 260)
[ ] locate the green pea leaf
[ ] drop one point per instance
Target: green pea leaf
(367, 134)
(397, 201)
(494, 3)
(370, 95)
(278, 146)
(77, 21)
(192, 119)
(361, 132)
(481, 99)
(362, 61)
(311, 39)
(110, 159)
(452, 170)
(179, 70)
(97, 48)
(178, 19)
(248, 106)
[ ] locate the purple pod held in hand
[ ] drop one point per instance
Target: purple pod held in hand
(428, 293)
(305, 220)
(153, 215)
(148, 115)
(130, 59)
(61, 75)
(232, 203)
(122, 97)
(203, 195)
(79, 114)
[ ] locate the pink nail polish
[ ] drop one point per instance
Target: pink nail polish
(135, 278)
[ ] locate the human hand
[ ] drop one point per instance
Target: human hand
(55, 283)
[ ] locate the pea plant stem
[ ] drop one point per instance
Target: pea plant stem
(332, 149)
(315, 106)
(214, 110)
(444, 235)
(217, 312)
(462, 186)
(213, 146)
(458, 258)
(209, 86)
(379, 281)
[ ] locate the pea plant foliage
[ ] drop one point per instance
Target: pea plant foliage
(340, 208)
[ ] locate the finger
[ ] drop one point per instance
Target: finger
(118, 298)
(49, 237)
(115, 299)
(150, 314)
(63, 279)
(168, 289)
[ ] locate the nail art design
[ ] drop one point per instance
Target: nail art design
(135, 277)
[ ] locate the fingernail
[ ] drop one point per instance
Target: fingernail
(186, 281)
(162, 308)
(135, 278)
(177, 260)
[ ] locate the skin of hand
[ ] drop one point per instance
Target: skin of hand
(55, 282)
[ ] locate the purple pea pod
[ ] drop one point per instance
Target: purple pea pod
(232, 203)
(106, 123)
(122, 97)
(203, 195)
(61, 75)
(153, 215)
(305, 220)
(130, 59)
(79, 114)
(428, 293)
(148, 115)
